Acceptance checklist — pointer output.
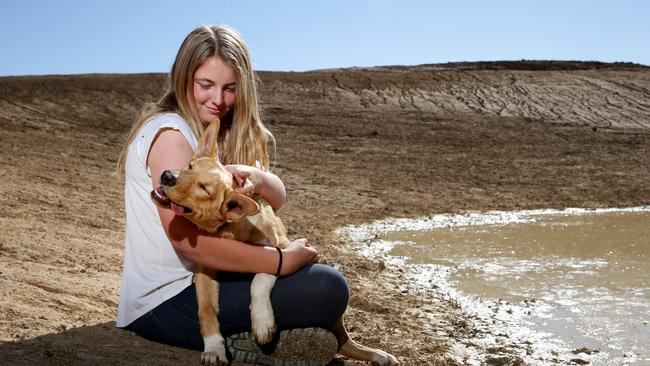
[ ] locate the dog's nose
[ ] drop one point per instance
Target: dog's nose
(167, 178)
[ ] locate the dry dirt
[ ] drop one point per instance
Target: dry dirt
(354, 145)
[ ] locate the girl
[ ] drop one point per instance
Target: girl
(212, 77)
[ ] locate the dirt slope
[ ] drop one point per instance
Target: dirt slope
(354, 145)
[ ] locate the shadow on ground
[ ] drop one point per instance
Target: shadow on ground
(100, 344)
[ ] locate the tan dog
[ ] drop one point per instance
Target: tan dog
(203, 191)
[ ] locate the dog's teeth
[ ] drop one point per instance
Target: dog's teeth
(160, 192)
(160, 196)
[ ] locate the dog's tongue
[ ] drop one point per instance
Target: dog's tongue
(178, 210)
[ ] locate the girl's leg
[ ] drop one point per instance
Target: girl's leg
(315, 296)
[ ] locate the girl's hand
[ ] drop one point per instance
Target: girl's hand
(250, 180)
(298, 254)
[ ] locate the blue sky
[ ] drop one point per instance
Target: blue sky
(131, 36)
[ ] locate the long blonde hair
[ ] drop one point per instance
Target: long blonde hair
(243, 138)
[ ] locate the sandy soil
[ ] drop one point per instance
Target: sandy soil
(354, 145)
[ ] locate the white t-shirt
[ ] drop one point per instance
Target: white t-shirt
(153, 270)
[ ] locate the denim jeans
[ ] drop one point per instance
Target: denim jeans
(315, 296)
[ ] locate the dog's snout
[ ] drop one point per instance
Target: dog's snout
(168, 178)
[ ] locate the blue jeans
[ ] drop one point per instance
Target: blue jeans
(315, 296)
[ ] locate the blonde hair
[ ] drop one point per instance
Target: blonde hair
(243, 137)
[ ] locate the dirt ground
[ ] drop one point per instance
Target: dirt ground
(354, 145)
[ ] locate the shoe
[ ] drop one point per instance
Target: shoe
(295, 347)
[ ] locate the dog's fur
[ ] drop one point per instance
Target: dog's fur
(203, 191)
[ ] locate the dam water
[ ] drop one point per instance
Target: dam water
(573, 281)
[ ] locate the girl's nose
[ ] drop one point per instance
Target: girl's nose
(217, 98)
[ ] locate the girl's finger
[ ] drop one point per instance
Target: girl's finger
(243, 173)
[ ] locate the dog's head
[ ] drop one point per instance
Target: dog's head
(203, 191)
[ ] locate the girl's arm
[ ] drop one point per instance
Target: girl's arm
(256, 181)
(171, 151)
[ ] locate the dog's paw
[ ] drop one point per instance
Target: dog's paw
(263, 323)
(214, 353)
(213, 359)
(381, 358)
(263, 329)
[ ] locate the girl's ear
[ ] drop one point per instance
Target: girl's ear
(236, 206)
(207, 146)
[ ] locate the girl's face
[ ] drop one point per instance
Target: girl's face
(214, 89)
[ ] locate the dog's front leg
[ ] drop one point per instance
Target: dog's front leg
(262, 315)
(207, 297)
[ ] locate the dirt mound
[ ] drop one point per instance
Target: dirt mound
(354, 145)
(592, 94)
(532, 65)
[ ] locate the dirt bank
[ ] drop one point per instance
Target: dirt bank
(354, 145)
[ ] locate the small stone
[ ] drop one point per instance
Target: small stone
(579, 361)
(584, 350)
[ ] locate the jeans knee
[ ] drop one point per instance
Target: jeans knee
(339, 285)
(333, 287)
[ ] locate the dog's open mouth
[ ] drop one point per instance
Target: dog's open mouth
(160, 198)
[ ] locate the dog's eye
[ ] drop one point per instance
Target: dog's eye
(202, 186)
(189, 167)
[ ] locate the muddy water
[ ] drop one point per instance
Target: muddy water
(573, 283)
(590, 273)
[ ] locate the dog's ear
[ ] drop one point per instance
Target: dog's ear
(236, 206)
(207, 146)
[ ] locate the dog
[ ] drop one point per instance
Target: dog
(204, 192)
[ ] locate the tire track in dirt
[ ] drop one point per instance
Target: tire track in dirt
(598, 98)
